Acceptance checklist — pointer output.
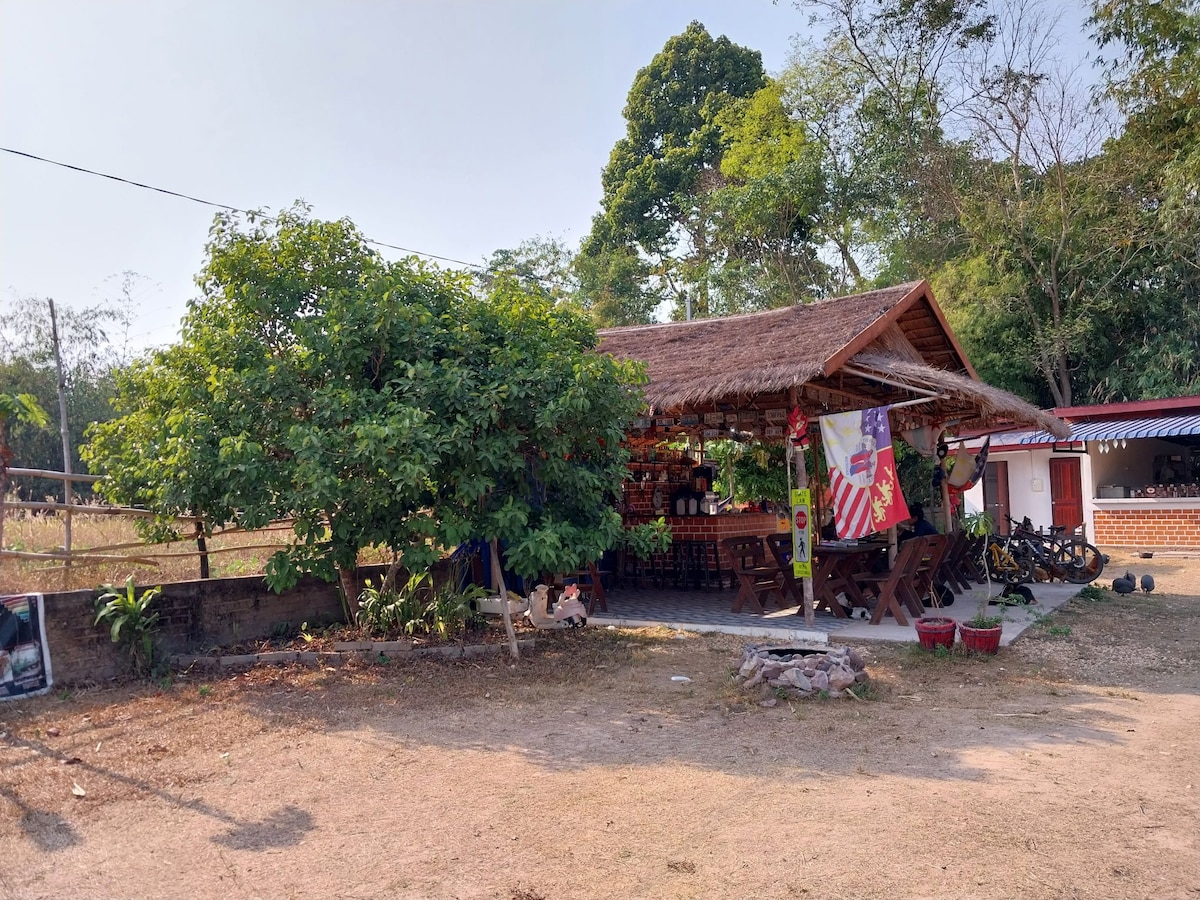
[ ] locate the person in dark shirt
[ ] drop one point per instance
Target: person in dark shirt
(916, 525)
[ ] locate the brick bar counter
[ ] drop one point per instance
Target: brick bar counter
(717, 528)
(1169, 523)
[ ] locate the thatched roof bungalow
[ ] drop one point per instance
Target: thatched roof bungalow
(884, 347)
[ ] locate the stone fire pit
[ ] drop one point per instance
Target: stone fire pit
(801, 671)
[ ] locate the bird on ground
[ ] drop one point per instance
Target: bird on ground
(1147, 583)
(1124, 585)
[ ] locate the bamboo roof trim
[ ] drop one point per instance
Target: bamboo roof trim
(991, 401)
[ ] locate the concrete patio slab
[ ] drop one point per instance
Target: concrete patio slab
(709, 610)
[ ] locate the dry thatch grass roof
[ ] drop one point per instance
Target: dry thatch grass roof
(991, 402)
(729, 361)
(691, 363)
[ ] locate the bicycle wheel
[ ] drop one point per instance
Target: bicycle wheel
(1007, 565)
(1082, 561)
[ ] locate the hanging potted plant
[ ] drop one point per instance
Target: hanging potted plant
(935, 631)
(981, 632)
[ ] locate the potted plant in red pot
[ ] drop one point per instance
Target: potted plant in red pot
(935, 631)
(981, 632)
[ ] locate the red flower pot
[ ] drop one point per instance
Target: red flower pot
(935, 631)
(981, 640)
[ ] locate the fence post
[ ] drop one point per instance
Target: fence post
(68, 493)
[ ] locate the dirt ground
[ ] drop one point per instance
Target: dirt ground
(1068, 766)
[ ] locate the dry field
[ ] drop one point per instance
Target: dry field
(1066, 767)
(232, 554)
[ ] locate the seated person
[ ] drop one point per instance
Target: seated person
(829, 529)
(916, 525)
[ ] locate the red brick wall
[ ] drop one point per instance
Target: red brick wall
(1160, 527)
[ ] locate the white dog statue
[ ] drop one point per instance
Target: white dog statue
(568, 612)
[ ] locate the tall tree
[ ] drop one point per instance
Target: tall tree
(875, 95)
(92, 341)
(653, 215)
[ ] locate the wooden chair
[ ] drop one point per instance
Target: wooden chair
(895, 587)
(925, 576)
(590, 584)
(954, 571)
(780, 545)
(756, 578)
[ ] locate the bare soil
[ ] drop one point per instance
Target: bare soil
(1068, 766)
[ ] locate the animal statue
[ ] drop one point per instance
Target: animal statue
(568, 612)
(1147, 583)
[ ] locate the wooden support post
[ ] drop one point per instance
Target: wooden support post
(498, 580)
(68, 493)
(806, 585)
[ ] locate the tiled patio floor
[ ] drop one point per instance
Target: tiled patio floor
(700, 610)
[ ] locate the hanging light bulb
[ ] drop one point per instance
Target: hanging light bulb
(1123, 443)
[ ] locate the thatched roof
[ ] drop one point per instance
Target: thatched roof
(991, 402)
(695, 362)
(753, 360)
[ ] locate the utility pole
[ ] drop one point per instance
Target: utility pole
(68, 494)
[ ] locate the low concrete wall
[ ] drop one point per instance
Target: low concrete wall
(193, 616)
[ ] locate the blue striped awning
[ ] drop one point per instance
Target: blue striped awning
(1115, 429)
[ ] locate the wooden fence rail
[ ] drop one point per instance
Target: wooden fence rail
(98, 555)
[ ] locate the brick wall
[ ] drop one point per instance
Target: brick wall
(193, 615)
(1166, 527)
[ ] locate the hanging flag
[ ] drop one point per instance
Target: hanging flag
(862, 472)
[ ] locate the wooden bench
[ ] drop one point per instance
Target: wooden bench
(756, 577)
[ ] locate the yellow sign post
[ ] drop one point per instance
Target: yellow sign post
(801, 533)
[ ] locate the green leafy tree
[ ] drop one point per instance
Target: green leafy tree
(373, 403)
(15, 409)
(654, 215)
(92, 342)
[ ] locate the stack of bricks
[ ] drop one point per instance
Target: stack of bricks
(1168, 527)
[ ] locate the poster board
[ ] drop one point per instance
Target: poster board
(24, 654)
(802, 533)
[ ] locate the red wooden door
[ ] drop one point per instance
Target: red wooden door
(1066, 493)
(995, 495)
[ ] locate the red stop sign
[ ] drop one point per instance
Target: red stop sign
(801, 520)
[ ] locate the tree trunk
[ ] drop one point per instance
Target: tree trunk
(348, 581)
(498, 579)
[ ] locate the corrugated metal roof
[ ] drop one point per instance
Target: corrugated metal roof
(1115, 429)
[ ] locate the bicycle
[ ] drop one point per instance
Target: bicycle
(1071, 559)
(1002, 560)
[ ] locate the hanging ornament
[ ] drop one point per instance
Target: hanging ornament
(798, 427)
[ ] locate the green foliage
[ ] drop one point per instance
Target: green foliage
(978, 524)
(1091, 593)
(418, 607)
(375, 404)
(130, 621)
(984, 619)
(648, 538)
(915, 473)
(91, 345)
(401, 611)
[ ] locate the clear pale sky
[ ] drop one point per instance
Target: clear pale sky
(453, 127)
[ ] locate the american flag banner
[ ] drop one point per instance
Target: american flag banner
(862, 472)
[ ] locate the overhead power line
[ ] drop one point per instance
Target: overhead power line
(225, 206)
